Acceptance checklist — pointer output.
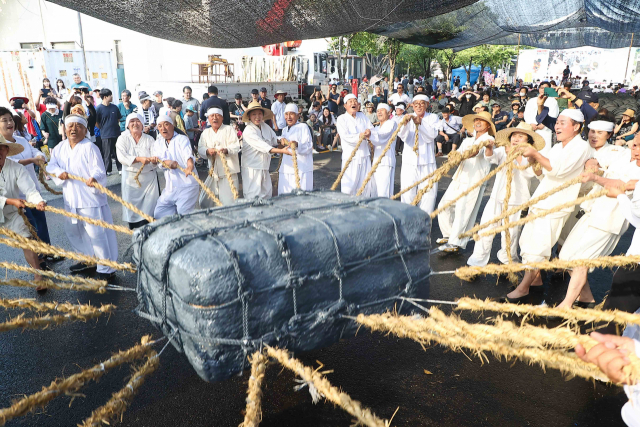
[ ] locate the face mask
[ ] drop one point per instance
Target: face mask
(523, 93)
(468, 96)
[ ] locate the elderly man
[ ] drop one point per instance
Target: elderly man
(564, 162)
(148, 113)
(352, 127)
(277, 108)
(380, 135)
(77, 155)
(416, 166)
(14, 183)
(400, 96)
(126, 107)
(217, 141)
(188, 101)
(77, 82)
(181, 190)
(260, 142)
(299, 136)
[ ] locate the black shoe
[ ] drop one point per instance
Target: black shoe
(82, 268)
(532, 289)
(54, 258)
(108, 277)
(580, 304)
(44, 266)
(506, 299)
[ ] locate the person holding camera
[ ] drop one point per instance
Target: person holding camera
(318, 96)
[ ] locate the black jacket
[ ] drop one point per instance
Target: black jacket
(214, 101)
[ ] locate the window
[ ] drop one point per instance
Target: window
(63, 45)
(30, 45)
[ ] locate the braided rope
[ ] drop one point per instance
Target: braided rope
(30, 227)
(62, 307)
(16, 241)
(227, 173)
(347, 163)
(387, 147)
(82, 314)
(48, 284)
(416, 146)
(44, 183)
(294, 159)
(93, 221)
(253, 412)
(53, 274)
(513, 278)
(136, 177)
(195, 176)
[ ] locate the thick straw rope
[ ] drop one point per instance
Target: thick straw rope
(26, 221)
(455, 158)
(294, 160)
(120, 400)
(136, 177)
(206, 189)
(523, 206)
(48, 284)
(62, 307)
(73, 383)
(73, 279)
(574, 315)
(363, 415)
(347, 163)
(540, 214)
(416, 143)
(394, 135)
(469, 272)
(17, 241)
(227, 172)
(513, 278)
(253, 412)
(44, 322)
(44, 183)
(93, 221)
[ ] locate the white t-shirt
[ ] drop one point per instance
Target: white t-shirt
(396, 97)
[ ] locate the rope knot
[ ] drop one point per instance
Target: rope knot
(295, 282)
(246, 295)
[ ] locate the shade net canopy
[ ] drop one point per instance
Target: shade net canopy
(457, 24)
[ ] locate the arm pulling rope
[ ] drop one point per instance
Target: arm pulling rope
(227, 172)
(44, 182)
(194, 174)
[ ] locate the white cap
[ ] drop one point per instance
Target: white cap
(165, 118)
(214, 110)
(348, 97)
(601, 125)
(291, 108)
(573, 114)
(421, 97)
(400, 106)
(133, 116)
(383, 106)
(75, 118)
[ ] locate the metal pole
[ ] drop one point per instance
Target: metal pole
(44, 34)
(517, 59)
(628, 57)
(84, 56)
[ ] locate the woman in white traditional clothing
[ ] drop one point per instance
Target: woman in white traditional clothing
(15, 187)
(386, 171)
(298, 135)
(507, 140)
(134, 150)
(461, 216)
(602, 221)
(217, 141)
(260, 141)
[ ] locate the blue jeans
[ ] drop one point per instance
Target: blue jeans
(39, 221)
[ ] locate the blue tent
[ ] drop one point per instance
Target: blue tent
(462, 73)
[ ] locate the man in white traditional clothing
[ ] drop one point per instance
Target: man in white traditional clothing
(15, 182)
(259, 142)
(461, 216)
(386, 171)
(134, 150)
(215, 142)
(508, 140)
(77, 155)
(416, 166)
(298, 135)
(181, 190)
(566, 161)
(354, 126)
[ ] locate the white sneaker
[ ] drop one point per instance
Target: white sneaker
(450, 248)
(442, 240)
(119, 172)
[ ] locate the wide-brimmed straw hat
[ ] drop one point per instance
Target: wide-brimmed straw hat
(14, 148)
(629, 112)
(503, 137)
(255, 105)
(467, 121)
(280, 92)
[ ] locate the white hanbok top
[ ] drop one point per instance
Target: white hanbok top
(127, 150)
(225, 137)
(277, 108)
(258, 141)
(300, 133)
(349, 128)
(475, 168)
(521, 179)
(29, 152)
(379, 138)
(85, 161)
(428, 131)
(566, 164)
(631, 210)
(14, 183)
(609, 154)
(178, 150)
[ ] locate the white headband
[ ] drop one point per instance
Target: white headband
(424, 98)
(133, 116)
(74, 118)
(165, 118)
(50, 106)
(383, 106)
(400, 106)
(601, 125)
(573, 114)
(348, 97)
(214, 110)
(292, 108)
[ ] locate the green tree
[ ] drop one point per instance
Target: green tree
(448, 60)
(418, 57)
(372, 48)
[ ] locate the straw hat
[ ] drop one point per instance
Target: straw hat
(280, 92)
(503, 137)
(14, 148)
(629, 113)
(467, 121)
(255, 105)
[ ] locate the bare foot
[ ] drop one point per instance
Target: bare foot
(518, 292)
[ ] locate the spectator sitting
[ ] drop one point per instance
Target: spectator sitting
(237, 109)
(448, 132)
(626, 129)
(315, 109)
(517, 119)
(499, 117)
(378, 97)
(370, 113)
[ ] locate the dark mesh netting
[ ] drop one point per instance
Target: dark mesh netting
(458, 24)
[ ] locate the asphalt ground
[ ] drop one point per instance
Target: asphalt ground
(432, 386)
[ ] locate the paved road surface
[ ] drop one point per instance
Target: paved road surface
(382, 372)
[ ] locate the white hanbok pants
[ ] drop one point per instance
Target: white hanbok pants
(571, 222)
(354, 177)
(482, 248)
(287, 182)
(539, 236)
(587, 242)
(461, 216)
(221, 189)
(409, 174)
(90, 239)
(180, 200)
(384, 176)
(256, 183)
